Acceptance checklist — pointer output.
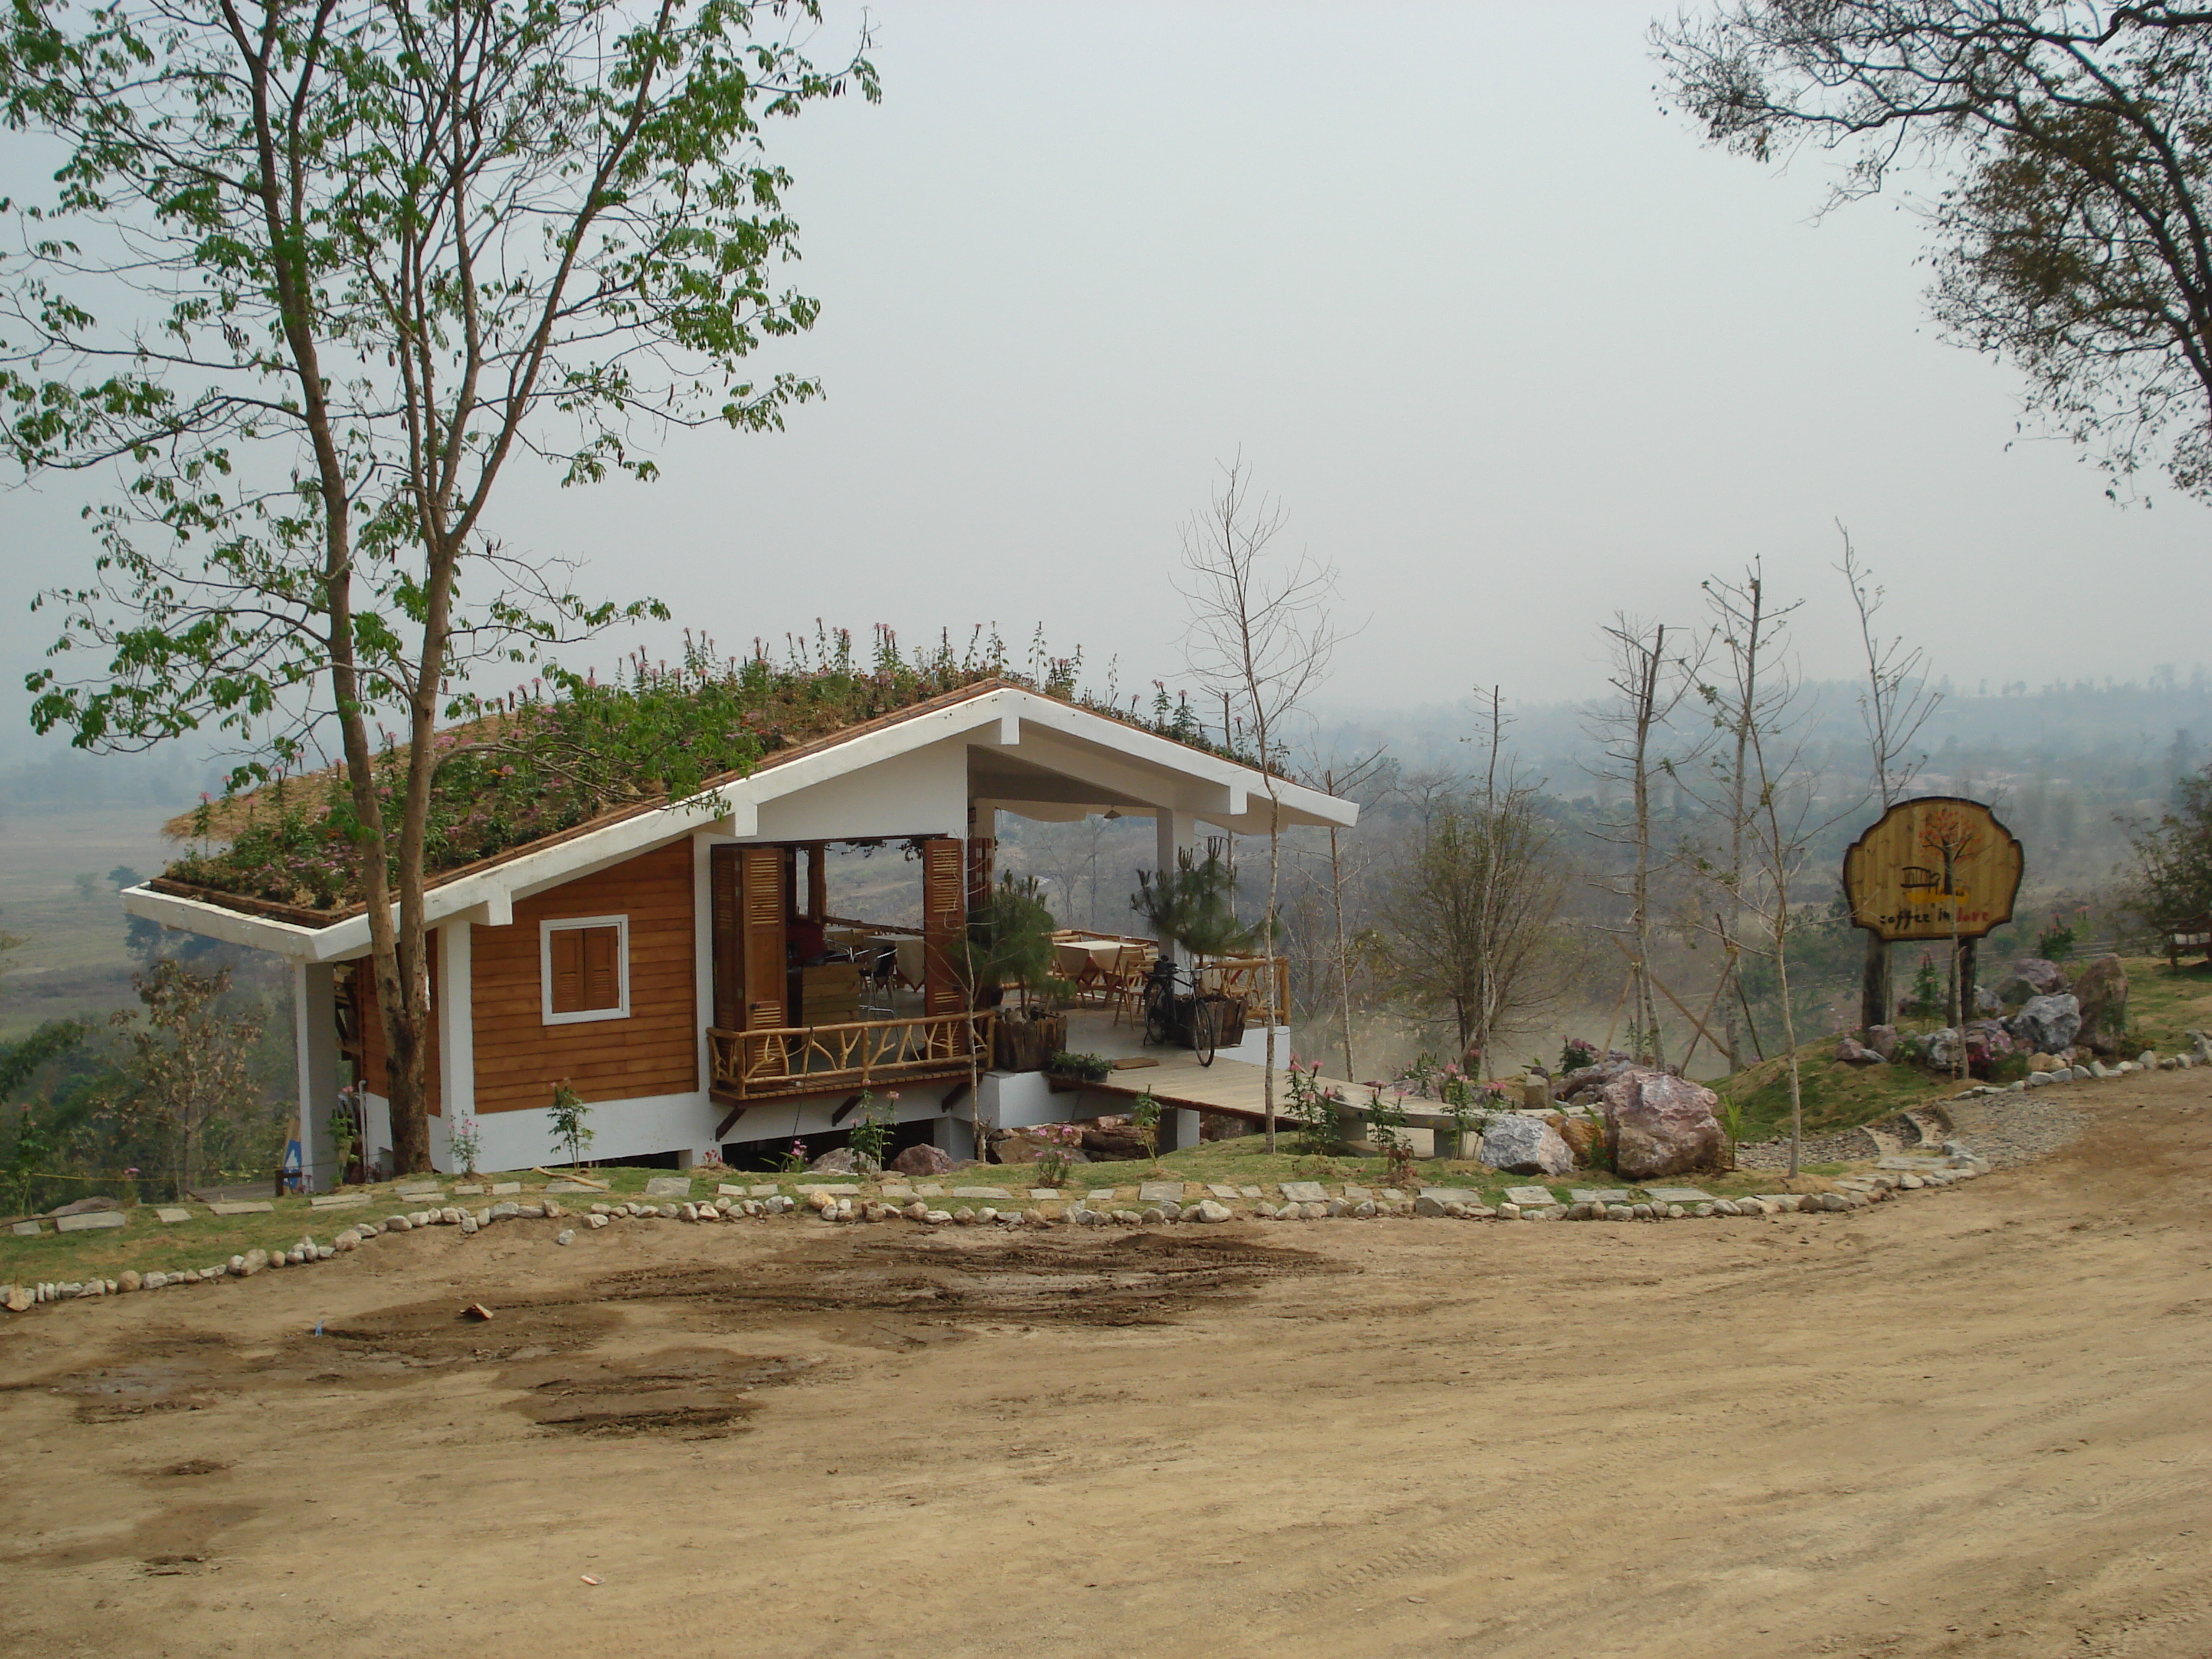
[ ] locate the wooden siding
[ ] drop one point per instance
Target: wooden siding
(376, 1059)
(518, 1058)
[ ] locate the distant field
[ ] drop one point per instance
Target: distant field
(73, 961)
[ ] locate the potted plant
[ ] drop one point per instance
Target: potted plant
(1193, 907)
(1009, 946)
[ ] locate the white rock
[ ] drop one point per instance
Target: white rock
(566, 1236)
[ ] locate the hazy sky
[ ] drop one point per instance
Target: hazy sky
(1515, 351)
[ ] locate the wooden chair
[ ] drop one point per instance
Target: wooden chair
(1124, 982)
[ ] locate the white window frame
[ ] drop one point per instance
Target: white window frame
(545, 931)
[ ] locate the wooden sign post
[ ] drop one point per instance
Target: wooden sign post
(1940, 867)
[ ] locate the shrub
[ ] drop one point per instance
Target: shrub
(1089, 1069)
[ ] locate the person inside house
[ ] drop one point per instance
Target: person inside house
(805, 941)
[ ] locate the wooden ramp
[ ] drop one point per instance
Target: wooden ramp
(1230, 1087)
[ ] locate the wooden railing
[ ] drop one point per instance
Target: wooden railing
(1264, 983)
(805, 1059)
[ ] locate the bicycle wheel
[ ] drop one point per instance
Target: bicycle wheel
(1205, 1028)
(1159, 1015)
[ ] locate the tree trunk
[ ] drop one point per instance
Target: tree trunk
(1875, 1005)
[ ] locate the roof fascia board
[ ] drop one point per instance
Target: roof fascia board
(1299, 803)
(285, 938)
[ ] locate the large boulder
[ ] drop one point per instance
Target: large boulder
(1525, 1146)
(2046, 1025)
(1583, 1138)
(1852, 1052)
(1882, 1039)
(1593, 1077)
(2102, 993)
(2031, 976)
(923, 1160)
(1658, 1124)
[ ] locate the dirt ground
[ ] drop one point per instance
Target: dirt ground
(1977, 1422)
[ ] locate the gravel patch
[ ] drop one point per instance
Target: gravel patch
(2006, 1132)
(1852, 1146)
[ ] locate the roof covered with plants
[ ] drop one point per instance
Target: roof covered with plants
(570, 751)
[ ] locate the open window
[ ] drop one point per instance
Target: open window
(584, 967)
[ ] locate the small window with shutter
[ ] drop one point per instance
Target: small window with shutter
(584, 965)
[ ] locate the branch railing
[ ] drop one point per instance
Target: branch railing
(800, 1059)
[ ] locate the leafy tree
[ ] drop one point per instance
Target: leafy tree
(187, 1069)
(1466, 916)
(2171, 878)
(2071, 141)
(1195, 905)
(363, 254)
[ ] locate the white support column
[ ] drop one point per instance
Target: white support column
(315, 1041)
(1174, 832)
(457, 1033)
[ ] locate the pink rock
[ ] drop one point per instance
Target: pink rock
(923, 1160)
(1661, 1125)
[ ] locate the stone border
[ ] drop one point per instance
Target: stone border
(1860, 1191)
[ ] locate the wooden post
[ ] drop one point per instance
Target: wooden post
(817, 881)
(1966, 961)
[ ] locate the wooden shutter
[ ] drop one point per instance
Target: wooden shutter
(943, 919)
(761, 892)
(602, 967)
(566, 951)
(727, 951)
(586, 968)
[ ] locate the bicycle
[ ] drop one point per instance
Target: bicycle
(1165, 1018)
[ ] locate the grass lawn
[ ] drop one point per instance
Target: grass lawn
(2163, 1008)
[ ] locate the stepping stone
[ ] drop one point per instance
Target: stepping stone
(241, 1207)
(928, 1189)
(500, 1188)
(1221, 1191)
(836, 1189)
(340, 1200)
(170, 1217)
(765, 1189)
(726, 1190)
(1248, 1192)
(550, 1186)
(1529, 1197)
(1596, 1195)
(1353, 1194)
(1452, 1194)
(896, 1189)
(1305, 1192)
(27, 1229)
(469, 1191)
(1393, 1195)
(92, 1221)
(1159, 1192)
(1677, 1196)
(1916, 1165)
(1045, 1194)
(417, 1191)
(959, 1192)
(658, 1186)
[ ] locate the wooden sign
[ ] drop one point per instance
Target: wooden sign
(1936, 868)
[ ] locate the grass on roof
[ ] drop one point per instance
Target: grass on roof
(564, 752)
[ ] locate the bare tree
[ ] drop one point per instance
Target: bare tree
(1467, 914)
(1895, 704)
(1783, 826)
(1348, 778)
(1653, 668)
(1260, 637)
(1748, 629)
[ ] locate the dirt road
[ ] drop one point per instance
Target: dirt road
(1978, 1422)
